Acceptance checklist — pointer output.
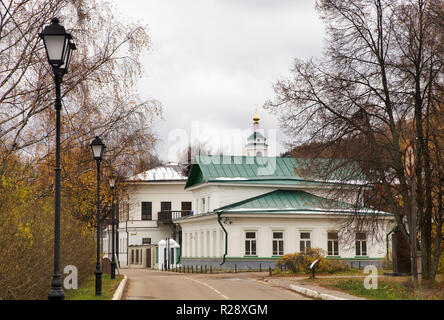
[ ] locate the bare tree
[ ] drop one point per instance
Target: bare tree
(381, 72)
(99, 92)
(99, 98)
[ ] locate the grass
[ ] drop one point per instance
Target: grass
(87, 290)
(386, 290)
(396, 288)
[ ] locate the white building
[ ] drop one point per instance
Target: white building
(247, 211)
(256, 143)
(152, 199)
(251, 210)
(248, 219)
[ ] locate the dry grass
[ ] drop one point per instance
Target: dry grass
(389, 288)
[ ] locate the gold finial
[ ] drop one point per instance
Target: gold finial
(256, 116)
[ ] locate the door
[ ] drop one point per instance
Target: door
(148, 257)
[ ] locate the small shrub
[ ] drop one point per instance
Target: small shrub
(300, 262)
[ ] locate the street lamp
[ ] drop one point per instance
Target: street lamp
(98, 148)
(112, 183)
(59, 47)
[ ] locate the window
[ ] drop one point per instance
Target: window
(332, 244)
(203, 205)
(250, 243)
(305, 242)
(361, 244)
(165, 206)
(147, 213)
(137, 256)
(132, 256)
(278, 243)
(146, 240)
(186, 206)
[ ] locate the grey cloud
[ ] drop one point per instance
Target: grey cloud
(211, 61)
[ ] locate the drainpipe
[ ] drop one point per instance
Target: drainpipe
(180, 247)
(127, 243)
(226, 237)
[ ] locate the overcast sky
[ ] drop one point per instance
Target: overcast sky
(211, 61)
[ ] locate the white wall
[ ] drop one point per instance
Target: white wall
(221, 195)
(136, 229)
(196, 235)
(202, 238)
(156, 193)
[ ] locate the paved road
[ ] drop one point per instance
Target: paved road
(146, 284)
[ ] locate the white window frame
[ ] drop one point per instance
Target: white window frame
(305, 240)
(333, 241)
(359, 245)
(279, 241)
(250, 240)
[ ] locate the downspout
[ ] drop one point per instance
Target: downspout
(226, 237)
(127, 243)
(180, 247)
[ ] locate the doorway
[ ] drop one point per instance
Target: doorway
(148, 258)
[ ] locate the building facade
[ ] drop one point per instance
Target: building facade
(152, 199)
(250, 217)
(246, 211)
(257, 145)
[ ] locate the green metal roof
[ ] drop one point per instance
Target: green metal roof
(292, 201)
(271, 170)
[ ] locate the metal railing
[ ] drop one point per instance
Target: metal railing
(168, 215)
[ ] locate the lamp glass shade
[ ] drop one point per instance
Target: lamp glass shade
(55, 47)
(97, 151)
(68, 55)
(56, 41)
(98, 148)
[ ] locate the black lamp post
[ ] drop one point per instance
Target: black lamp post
(98, 148)
(112, 183)
(59, 49)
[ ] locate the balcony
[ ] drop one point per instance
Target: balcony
(166, 217)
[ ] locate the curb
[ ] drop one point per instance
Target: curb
(314, 294)
(119, 292)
